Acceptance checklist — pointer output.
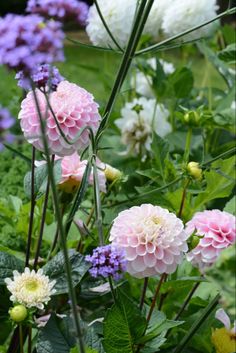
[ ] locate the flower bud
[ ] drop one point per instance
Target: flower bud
(112, 173)
(192, 117)
(194, 170)
(194, 242)
(18, 313)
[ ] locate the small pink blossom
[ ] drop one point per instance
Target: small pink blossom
(74, 109)
(72, 171)
(153, 239)
(216, 230)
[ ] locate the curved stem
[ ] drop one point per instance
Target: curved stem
(31, 220)
(183, 198)
(145, 284)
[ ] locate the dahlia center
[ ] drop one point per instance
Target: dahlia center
(154, 226)
(31, 285)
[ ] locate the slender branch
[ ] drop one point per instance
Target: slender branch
(106, 26)
(190, 30)
(61, 228)
(145, 285)
(222, 155)
(183, 198)
(21, 339)
(97, 200)
(187, 300)
(31, 220)
(30, 339)
(162, 279)
(197, 324)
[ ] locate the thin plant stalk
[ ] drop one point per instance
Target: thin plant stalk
(97, 201)
(188, 144)
(61, 228)
(30, 339)
(145, 285)
(183, 198)
(32, 207)
(162, 279)
(187, 300)
(21, 339)
(197, 324)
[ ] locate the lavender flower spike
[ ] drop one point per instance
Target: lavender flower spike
(107, 261)
(6, 121)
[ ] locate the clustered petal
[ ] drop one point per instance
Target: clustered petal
(28, 41)
(139, 119)
(30, 288)
(43, 76)
(143, 83)
(72, 171)
(166, 16)
(107, 261)
(74, 109)
(6, 122)
(153, 240)
(224, 339)
(216, 230)
(60, 9)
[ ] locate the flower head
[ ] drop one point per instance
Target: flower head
(6, 122)
(153, 240)
(224, 339)
(194, 170)
(216, 230)
(43, 76)
(107, 261)
(60, 9)
(119, 16)
(138, 120)
(74, 109)
(143, 83)
(183, 15)
(30, 288)
(28, 41)
(72, 171)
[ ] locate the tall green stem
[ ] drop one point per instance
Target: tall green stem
(188, 144)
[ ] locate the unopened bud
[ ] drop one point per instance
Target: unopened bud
(112, 173)
(192, 117)
(18, 313)
(194, 241)
(194, 170)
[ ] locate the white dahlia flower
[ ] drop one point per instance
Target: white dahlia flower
(30, 288)
(139, 119)
(119, 16)
(184, 14)
(153, 240)
(143, 83)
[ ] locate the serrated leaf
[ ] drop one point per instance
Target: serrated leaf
(160, 149)
(123, 325)
(55, 269)
(9, 263)
(218, 185)
(56, 337)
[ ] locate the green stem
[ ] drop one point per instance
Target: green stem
(145, 285)
(154, 47)
(197, 324)
(188, 145)
(183, 198)
(112, 288)
(30, 339)
(187, 300)
(21, 339)
(222, 155)
(97, 201)
(61, 228)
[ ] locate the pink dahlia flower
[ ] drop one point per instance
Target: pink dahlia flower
(72, 171)
(216, 230)
(74, 109)
(153, 239)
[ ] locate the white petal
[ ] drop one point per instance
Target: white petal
(223, 317)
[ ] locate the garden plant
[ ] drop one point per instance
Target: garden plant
(117, 206)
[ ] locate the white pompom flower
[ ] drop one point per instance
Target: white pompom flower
(143, 83)
(139, 119)
(30, 288)
(183, 15)
(119, 16)
(152, 238)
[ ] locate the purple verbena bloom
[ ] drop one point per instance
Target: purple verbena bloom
(107, 261)
(29, 41)
(6, 121)
(60, 9)
(43, 76)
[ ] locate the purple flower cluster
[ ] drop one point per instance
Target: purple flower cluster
(107, 261)
(6, 121)
(29, 41)
(60, 9)
(44, 76)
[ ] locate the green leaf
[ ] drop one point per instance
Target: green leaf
(231, 206)
(93, 337)
(123, 326)
(41, 178)
(160, 149)
(56, 337)
(9, 263)
(55, 269)
(228, 54)
(219, 180)
(182, 82)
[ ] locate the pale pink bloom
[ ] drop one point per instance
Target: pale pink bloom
(153, 239)
(72, 171)
(216, 230)
(223, 317)
(74, 109)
